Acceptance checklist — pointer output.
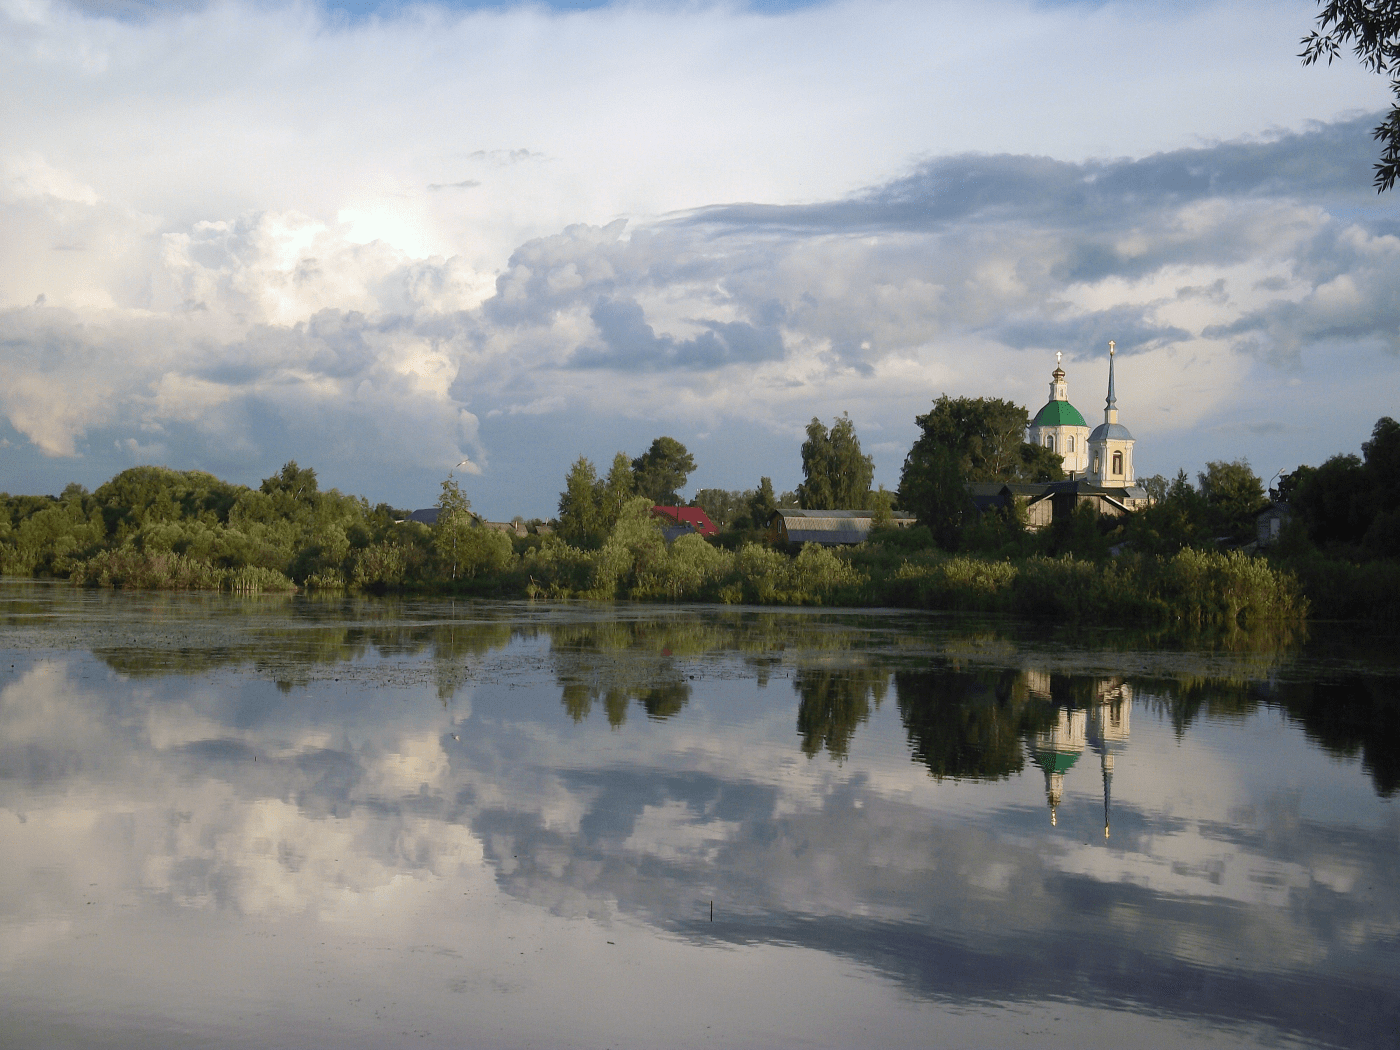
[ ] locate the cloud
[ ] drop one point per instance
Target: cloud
(630, 342)
(1352, 282)
(1131, 326)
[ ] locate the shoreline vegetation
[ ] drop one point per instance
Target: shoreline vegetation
(1185, 561)
(155, 528)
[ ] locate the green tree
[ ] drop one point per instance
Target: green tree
(454, 520)
(1382, 455)
(961, 440)
(1349, 501)
(1155, 486)
(1179, 518)
(581, 518)
(661, 471)
(837, 472)
(1382, 465)
(763, 503)
(619, 487)
(1333, 500)
(298, 483)
(881, 506)
(1038, 463)
(725, 507)
(933, 487)
(1372, 29)
(1234, 496)
(484, 550)
(985, 434)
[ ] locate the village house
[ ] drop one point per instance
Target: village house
(680, 521)
(828, 527)
(1271, 521)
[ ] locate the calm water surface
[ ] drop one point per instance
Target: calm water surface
(343, 823)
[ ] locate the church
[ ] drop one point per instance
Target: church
(1098, 463)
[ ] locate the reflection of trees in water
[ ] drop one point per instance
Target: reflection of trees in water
(621, 661)
(968, 724)
(1182, 701)
(833, 703)
(660, 700)
(289, 647)
(1351, 716)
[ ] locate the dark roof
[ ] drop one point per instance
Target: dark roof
(825, 526)
(428, 515)
(828, 519)
(793, 512)
(1116, 431)
(693, 516)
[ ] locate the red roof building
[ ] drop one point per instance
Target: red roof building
(695, 517)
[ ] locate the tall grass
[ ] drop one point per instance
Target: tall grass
(1338, 589)
(126, 567)
(1194, 588)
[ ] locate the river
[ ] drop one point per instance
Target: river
(336, 822)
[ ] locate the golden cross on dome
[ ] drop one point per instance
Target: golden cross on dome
(1058, 355)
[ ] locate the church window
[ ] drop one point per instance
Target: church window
(1071, 442)
(1117, 462)
(1050, 442)
(1096, 462)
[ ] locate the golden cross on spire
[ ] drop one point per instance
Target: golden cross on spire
(1110, 347)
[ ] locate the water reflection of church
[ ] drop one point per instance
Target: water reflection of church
(1101, 726)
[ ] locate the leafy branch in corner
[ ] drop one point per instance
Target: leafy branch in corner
(1373, 32)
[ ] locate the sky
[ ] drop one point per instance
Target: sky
(390, 241)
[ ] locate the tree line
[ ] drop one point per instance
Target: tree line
(155, 527)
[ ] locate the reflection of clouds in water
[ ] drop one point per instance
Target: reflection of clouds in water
(333, 803)
(21, 939)
(409, 765)
(47, 707)
(193, 807)
(673, 831)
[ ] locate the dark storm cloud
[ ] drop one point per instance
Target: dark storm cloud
(628, 341)
(992, 245)
(1128, 325)
(1331, 161)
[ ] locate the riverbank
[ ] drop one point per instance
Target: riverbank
(162, 530)
(1192, 588)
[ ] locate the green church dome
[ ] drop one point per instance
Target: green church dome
(1058, 414)
(1055, 761)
